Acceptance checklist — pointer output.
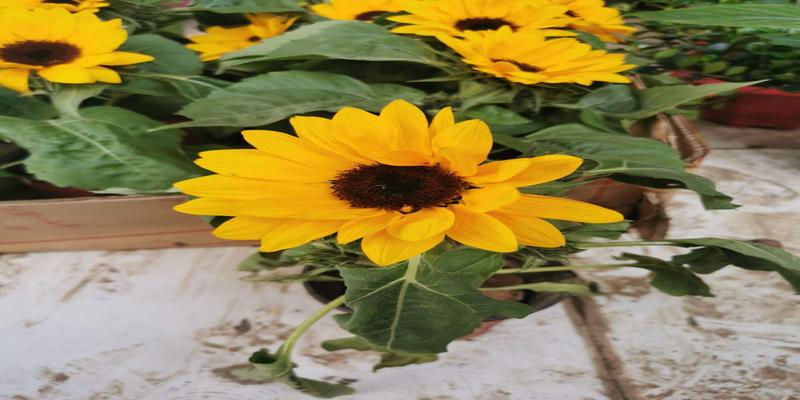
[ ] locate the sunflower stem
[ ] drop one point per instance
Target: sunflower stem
(288, 345)
(533, 270)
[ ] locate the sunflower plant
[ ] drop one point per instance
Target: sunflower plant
(415, 153)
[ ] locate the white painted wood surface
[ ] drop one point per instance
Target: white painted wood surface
(156, 324)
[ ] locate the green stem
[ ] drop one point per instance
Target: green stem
(590, 245)
(564, 268)
(301, 329)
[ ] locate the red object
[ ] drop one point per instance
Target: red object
(753, 106)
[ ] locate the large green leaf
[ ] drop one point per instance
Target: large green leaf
(170, 57)
(769, 16)
(272, 97)
(626, 158)
(16, 105)
(339, 40)
(245, 6)
(664, 98)
(100, 148)
(421, 308)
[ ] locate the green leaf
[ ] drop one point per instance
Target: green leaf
(782, 39)
(769, 16)
(170, 57)
(583, 232)
(765, 253)
(268, 367)
(670, 278)
(611, 99)
(664, 98)
(275, 96)
(338, 40)
(245, 6)
(626, 158)
(421, 308)
(16, 105)
(496, 115)
(101, 148)
(389, 359)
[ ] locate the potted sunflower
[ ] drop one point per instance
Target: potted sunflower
(110, 107)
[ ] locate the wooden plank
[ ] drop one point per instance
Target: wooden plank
(100, 223)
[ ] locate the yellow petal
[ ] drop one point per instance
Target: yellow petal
(246, 228)
(490, 197)
(317, 131)
(204, 206)
(288, 147)
(384, 249)
(66, 73)
(127, 58)
(545, 169)
(443, 120)
(499, 171)
(293, 233)
(358, 228)
(457, 161)
(15, 79)
(309, 201)
(364, 132)
(469, 140)
(107, 75)
(236, 188)
(562, 209)
(400, 158)
(258, 165)
(412, 125)
(422, 224)
(530, 230)
(481, 231)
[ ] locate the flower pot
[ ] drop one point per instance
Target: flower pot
(326, 291)
(752, 106)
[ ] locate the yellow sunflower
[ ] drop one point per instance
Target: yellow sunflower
(594, 17)
(530, 58)
(60, 47)
(69, 5)
(218, 40)
(392, 180)
(456, 17)
(362, 10)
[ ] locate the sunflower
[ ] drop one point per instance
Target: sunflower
(530, 58)
(218, 40)
(456, 17)
(595, 18)
(60, 47)
(363, 10)
(392, 180)
(69, 5)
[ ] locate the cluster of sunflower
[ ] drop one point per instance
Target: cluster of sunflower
(525, 41)
(61, 42)
(394, 180)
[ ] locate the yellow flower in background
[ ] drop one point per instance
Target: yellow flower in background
(595, 18)
(530, 58)
(456, 17)
(60, 47)
(361, 10)
(69, 5)
(393, 180)
(217, 40)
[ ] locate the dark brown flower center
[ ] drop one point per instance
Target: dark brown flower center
(404, 189)
(370, 15)
(39, 52)
(522, 66)
(483, 24)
